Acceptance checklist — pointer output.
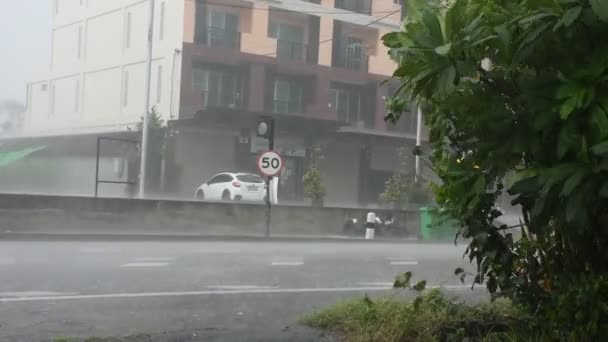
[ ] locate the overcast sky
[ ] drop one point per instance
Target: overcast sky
(25, 44)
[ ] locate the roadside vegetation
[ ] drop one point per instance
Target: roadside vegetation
(430, 317)
(518, 90)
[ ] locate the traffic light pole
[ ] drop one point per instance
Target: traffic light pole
(269, 180)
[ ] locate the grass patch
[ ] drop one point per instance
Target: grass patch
(429, 317)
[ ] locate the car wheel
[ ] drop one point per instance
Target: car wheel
(200, 195)
(226, 195)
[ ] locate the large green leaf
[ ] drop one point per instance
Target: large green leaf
(568, 18)
(443, 50)
(568, 107)
(573, 182)
(433, 27)
(599, 120)
(600, 8)
(600, 149)
(604, 190)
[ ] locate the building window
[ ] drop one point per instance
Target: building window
(159, 84)
(359, 6)
(161, 34)
(79, 43)
(287, 96)
(77, 96)
(346, 101)
(223, 29)
(125, 90)
(290, 40)
(220, 88)
(128, 24)
(352, 54)
(52, 101)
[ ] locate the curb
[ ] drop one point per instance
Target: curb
(36, 236)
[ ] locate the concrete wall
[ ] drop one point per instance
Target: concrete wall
(48, 214)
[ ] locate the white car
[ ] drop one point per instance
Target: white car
(232, 187)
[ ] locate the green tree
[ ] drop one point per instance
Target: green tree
(519, 87)
(401, 189)
(312, 180)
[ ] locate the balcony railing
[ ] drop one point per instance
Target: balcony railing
(349, 59)
(291, 50)
(358, 6)
(219, 37)
(224, 98)
(287, 107)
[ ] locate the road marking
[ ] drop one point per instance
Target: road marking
(154, 259)
(145, 264)
(287, 263)
(241, 287)
(446, 287)
(380, 284)
(190, 293)
(404, 262)
(36, 294)
(194, 293)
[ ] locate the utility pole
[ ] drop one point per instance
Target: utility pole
(269, 191)
(418, 110)
(145, 129)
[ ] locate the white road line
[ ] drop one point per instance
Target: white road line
(145, 264)
(203, 293)
(287, 263)
(241, 287)
(404, 262)
(154, 259)
(191, 293)
(380, 284)
(36, 294)
(446, 287)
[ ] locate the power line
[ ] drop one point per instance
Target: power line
(350, 31)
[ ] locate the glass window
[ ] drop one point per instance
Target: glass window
(287, 96)
(223, 29)
(223, 178)
(161, 33)
(250, 179)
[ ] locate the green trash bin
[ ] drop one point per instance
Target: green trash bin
(436, 227)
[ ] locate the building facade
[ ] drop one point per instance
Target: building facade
(318, 67)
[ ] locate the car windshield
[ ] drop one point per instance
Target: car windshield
(250, 179)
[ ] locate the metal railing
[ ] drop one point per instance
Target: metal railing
(348, 59)
(286, 107)
(291, 50)
(219, 37)
(222, 98)
(358, 6)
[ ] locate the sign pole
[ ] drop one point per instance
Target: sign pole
(269, 182)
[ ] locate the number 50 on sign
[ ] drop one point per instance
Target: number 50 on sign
(270, 163)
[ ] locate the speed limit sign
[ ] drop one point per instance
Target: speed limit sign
(270, 163)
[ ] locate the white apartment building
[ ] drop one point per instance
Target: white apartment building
(97, 70)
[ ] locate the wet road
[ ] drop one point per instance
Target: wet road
(216, 291)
